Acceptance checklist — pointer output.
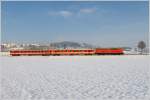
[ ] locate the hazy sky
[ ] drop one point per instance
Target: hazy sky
(100, 23)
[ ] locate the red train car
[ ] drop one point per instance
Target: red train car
(29, 52)
(73, 52)
(111, 51)
(98, 51)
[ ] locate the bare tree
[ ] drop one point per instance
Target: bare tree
(141, 46)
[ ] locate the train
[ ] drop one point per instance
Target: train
(57, 52)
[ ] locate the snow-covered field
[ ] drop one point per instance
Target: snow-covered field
(75, 78)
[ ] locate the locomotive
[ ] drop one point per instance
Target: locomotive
(53, 52)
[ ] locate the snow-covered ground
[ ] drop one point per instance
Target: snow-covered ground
(75, 78)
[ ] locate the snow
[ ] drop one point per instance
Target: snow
(75, 78)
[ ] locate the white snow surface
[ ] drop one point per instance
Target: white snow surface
(75, 78)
